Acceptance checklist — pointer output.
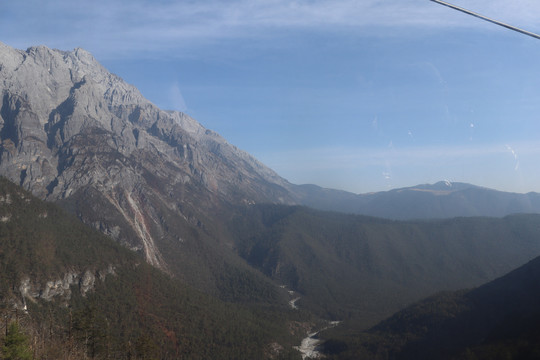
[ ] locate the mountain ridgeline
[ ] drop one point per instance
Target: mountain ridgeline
(230, 243)
(429, 201)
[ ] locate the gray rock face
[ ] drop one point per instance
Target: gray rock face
(68, 126)
(61, 288)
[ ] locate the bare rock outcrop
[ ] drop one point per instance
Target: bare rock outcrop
(61, 288)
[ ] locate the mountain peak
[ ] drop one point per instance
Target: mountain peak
(68, 126)
(84, 55)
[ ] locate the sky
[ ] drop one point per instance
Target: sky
(364, 95)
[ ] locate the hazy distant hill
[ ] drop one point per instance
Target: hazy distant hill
(498, 320)
(441, 200)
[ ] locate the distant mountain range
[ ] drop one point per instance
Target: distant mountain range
(437, 201)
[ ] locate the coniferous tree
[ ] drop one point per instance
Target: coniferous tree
(16, 345)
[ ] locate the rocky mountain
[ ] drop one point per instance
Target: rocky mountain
(72, 131)
(428, 201)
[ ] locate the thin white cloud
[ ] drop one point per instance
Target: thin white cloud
(141, 26)
(176, 98)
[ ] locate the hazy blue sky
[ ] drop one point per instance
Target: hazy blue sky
(362, 95)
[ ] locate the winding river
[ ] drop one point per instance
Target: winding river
(309, 344)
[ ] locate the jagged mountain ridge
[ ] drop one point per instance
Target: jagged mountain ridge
(68, 126)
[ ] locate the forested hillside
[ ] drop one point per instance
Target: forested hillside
(67, 284)
(498, 320)
(364, 269)
(76, 293)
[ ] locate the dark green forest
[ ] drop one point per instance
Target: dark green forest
(363, 269)
(498, 320)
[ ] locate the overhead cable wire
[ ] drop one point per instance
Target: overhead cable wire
(525, 32)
